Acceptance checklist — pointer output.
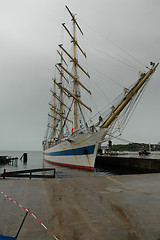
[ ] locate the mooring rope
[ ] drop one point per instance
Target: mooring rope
(19, 205)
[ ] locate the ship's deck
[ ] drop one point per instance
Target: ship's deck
(113, 207)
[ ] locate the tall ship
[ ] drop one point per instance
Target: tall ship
(71, 139)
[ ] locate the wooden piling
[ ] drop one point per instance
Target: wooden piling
(25, 157)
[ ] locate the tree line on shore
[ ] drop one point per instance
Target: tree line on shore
(135, 147)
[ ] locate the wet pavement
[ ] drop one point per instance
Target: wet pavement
(116, 207)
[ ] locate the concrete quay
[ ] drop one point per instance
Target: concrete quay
(88, 208)
(145, 164)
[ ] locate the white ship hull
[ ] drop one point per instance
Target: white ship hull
(78, 151)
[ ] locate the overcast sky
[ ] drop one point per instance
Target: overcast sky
(121, 38)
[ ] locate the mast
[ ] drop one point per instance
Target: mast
(128, 97)
(59, 108)
(76, 81)
(75, 75)
(54, 119)
(61, 98)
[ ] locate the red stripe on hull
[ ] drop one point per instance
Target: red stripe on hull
(71, 165)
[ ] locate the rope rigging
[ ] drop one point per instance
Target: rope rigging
(114, 44)
(113, 121)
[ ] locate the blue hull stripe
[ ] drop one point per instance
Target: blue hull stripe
(71, 152)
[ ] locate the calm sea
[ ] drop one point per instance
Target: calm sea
(35, 160)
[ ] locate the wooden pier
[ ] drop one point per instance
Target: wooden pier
(8, 160)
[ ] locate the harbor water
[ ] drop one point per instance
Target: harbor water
(35, 160)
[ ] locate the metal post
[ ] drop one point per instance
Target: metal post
(21, 225)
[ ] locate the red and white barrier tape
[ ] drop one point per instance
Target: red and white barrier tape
(19, 205)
